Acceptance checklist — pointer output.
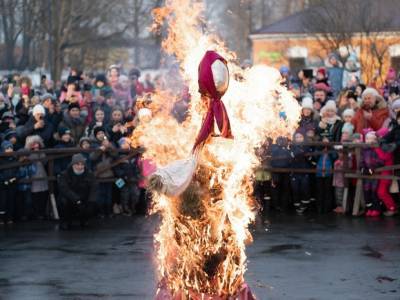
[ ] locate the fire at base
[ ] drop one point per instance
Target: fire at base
(204, 229)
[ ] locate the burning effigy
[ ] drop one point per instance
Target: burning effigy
(202, 187)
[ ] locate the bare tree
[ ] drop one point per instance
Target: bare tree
(353, 24)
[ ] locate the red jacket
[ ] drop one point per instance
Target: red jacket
(379, 115)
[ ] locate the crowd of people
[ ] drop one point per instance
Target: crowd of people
(87, 111)
(335, 109)
(98, 114)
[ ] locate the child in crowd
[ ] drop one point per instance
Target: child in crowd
(347, 116)
(338, 183)
(8, 185)
(102, 160)
(39, 187)
(330, 125)
(300, 182)
(324, 174)
(65, 141)
(24, 190)
(369, 162)
(384, 184)
(128, 174)
(280, 158)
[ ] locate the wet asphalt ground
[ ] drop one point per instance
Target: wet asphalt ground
(292, 257)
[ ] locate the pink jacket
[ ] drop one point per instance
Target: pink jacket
(387, 159)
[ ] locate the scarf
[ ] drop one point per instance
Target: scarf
(216, 109)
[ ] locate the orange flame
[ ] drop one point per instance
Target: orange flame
(186, 246)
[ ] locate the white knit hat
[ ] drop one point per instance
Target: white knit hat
(348, 112)
(307, 102)
(38, 109)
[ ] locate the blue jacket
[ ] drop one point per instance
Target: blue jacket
(325, 165)
(25, 172)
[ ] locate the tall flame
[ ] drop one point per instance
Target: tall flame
(255, 100)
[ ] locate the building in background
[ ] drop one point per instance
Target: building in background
(306, 38)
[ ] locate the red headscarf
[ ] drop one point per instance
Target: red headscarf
(216, 108)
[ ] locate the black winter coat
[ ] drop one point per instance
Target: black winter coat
(76, 188)
(46, 133)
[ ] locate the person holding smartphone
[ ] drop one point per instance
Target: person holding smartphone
(37, 125)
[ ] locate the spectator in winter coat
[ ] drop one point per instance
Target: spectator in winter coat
(307, 121)
(384, 184)
(116, 128)
(137, 89)
(391, 141)
(72, 93)
(324, 193)
(64, 142)
(101, 87)
(335, 74)
(122, 94)
(280, 158)
(77, 192)
(330, 126)
(7, 122)
(102, 160)
(74, 121)
(98, 121)
(343, 102)
(390, 82)
(369, 162)
(128, 173)
(300, 182)
(373, 111)
(39, 187)
(37, 125)
(338, 183)
(51, 115)
(347, 127)
(8, 185)
(148, 85)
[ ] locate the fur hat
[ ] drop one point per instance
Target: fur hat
(38, 109)
(371, 91)
(348, 112)
(307, 102)
(32, 139)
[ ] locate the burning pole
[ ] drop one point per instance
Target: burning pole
(204, 192)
